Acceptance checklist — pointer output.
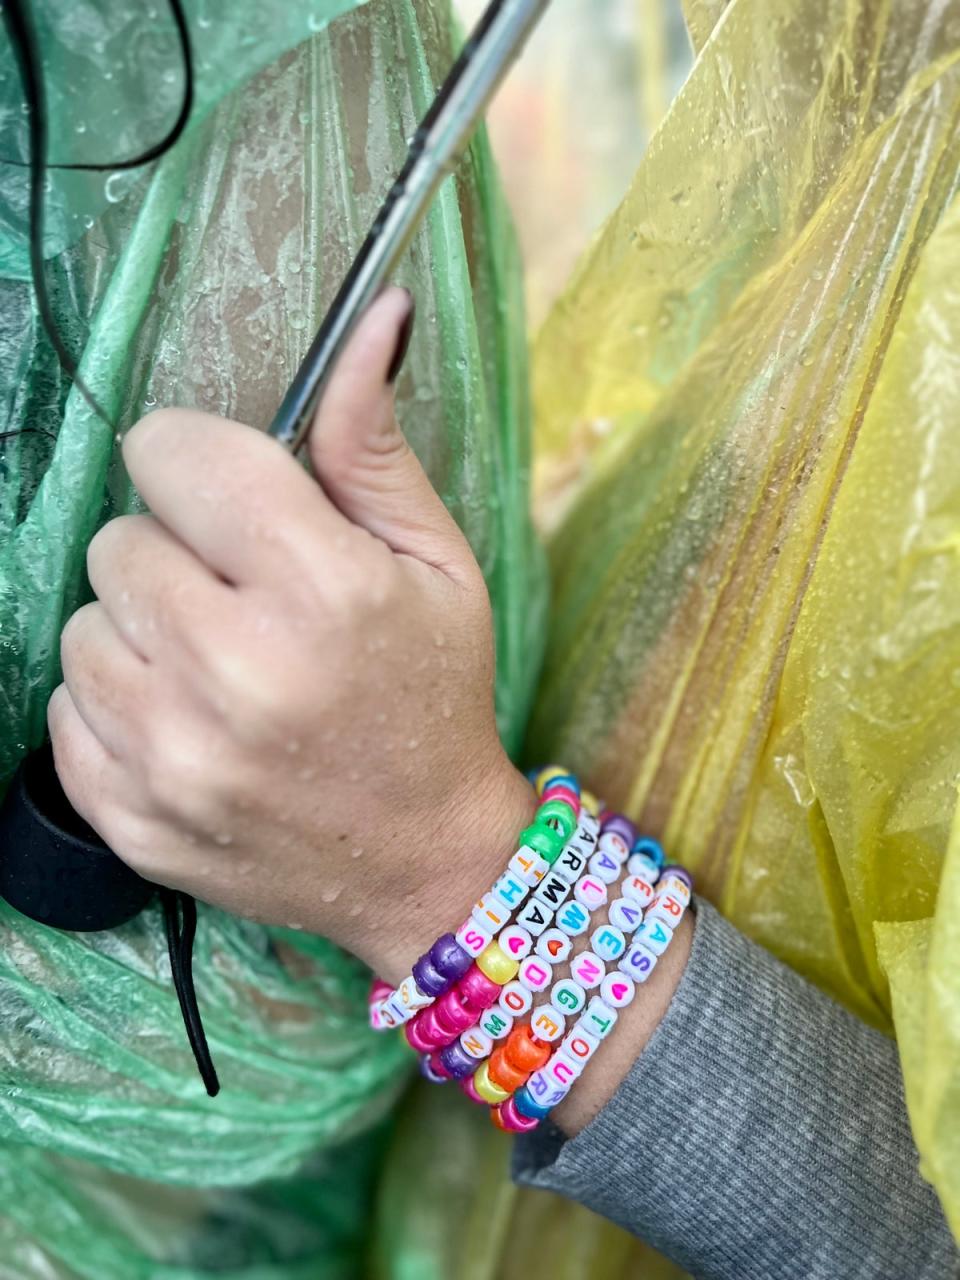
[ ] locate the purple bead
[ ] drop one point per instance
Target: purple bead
(427, 1071)
(428, 978)
(449, 958)
(680, 872)
(623, 826)
(456, 1061)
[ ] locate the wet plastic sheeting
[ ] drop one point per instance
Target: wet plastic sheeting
(201, 286)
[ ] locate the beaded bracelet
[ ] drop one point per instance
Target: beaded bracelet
(510, 1067)
(548, 1085)
(451, 959)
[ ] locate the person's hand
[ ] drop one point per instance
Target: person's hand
(282, 700)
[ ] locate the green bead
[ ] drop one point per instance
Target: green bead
(544, 840)
(560, 813)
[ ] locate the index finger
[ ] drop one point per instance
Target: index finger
(230, 493)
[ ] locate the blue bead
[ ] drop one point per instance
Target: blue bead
(525, 1103)
(651, 848)
(566, 780)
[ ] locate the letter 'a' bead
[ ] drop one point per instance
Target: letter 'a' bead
(534, 917)
(654, 935)
(617, 990)
(605, 867)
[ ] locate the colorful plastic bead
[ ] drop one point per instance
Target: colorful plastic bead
(570, 864)
(456, 1062)
(510, 890)
(672, 881)
(568, 996)
(554, 946)
(497, 965)
(535, 974)
(599, 1019)
(617, 990)
(486, 1088)
(543, 840)
(612, 842)
(451, 1012)
(590, 892)
(563, 780)
(565, 795)
(654, 935)
(534, 916)
(547, 1023)
(473, 937)
(449, 958)
(638, 864)
(496, 1023)
(515, 999)
(428, 978)
(562, 1070)
(490, 913)
(527, 1105)
(430, 1030)
(513, 1120)
(515, 941)
(623, 827)
(553, 892)
(503, 1073)
(605, 866)
(589, 802)
(573, 918)
(638, 963)
(560, 815)
(524, 1051)
(475, 1043)
(679, 873)
(651, 849)
(477, 991)
(546, 776)
(588, 970)
(530, 866)
(580, 1045)
(431, 1070)
(638, 890)
(410, 995)
(608, 942)
(468, 1086)
(625, 915)
(418, 1039)
(666, 907)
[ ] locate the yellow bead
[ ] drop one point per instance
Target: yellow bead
(495, 964)
(485, 1087)
(589, 802)
(545, 775)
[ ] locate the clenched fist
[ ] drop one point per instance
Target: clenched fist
(282, 699)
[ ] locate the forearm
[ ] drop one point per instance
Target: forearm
(762, 1132)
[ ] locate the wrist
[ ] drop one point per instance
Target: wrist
(479, 837)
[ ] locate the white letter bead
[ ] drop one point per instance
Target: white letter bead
(570, 864)
(592, 893)
(612, 842)
(580, 1045)
(547, 1023)
(638, 963)
(568, 996)
(534, 916)
(608, 942)
(598, 1020)
(529, 866)
(573, 919)
(626, 915)
(540, 1085)
(617, 990)
(562, 1070)
(375, 1011)
(515, 999)
(554, 946)
(473, 937)
(667, 908)
(589, 823)
(654, 936)
(605, 867)
(496, 1023)
(515, 941)
(410, 995)
(587, 970)
(638, 864)
(476, 1043)
(673, 884)
(511, 890)
(535, 974)
(638, 890)
(553, 891)
(490, 913)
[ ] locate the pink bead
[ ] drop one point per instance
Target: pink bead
(512, 1120)
(477, 990)
(417, 1036)
(466, 1084)
(432, 1029)
(566, 794)
(452, 1012)
(437, 1066)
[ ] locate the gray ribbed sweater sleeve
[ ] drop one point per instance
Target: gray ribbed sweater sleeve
(781, 1148)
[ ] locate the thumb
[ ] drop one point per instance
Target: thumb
(358, 451)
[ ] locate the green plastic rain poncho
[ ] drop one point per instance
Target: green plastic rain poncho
(199, 282)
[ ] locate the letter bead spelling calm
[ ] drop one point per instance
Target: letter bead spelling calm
(590, 892)
(554, 946)
(612, 842)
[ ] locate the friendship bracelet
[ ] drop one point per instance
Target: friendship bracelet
(454, 957)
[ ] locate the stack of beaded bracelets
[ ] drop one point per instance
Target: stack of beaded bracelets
(472, 988)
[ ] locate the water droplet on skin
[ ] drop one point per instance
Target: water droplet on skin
(331, 894)
(223, 838)
(356, 909)
(87, 221)
(356, 852)
(447, 711)
(354, 775)
(293, 746)
(294, 924)
(305, 775)
(149, 400)
(439, 639)
(413, 743)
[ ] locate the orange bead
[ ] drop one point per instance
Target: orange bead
(497, 1120)
(503, 1074)
(523, 1051)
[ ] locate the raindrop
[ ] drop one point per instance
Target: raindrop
(116, 186)
(356, 852)
(294, 924)
(149, 400)
(223, 838)
(87, 221)
(293, 746)
(331, 894)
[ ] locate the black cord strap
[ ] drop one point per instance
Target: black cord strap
(180, 922)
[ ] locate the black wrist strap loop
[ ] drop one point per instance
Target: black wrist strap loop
(180, 922)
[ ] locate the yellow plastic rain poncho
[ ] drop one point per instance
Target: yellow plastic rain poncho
(748, 405)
